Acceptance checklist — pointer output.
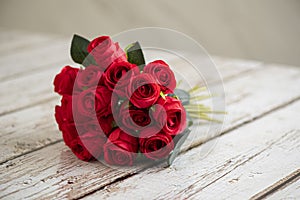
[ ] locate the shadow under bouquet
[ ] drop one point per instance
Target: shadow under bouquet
(118, 108)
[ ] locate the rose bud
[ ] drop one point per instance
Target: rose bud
(155, 144)
(143, 90)
(119, 73)
(105, 51)
(170, 115)
(88, 77)
(133, 119)
(163, 75)
(120, 148)
(64, 81)
(93, 102)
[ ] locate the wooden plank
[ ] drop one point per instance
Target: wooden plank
(29, 90)
(242, 163)
(287, 187)
(42, 174)
(292, 191)
(35, 58)
(28, 130)
(247, 99)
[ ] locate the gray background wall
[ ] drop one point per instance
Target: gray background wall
(266, 30)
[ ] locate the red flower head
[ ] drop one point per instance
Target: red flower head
(170, 115)
(119, 74)
(105, 51)
(155, 144)
(64, 81)
(163, 75)
(120, 148)
(88, 77)
(143, 91)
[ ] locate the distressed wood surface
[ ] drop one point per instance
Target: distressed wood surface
(244, 161)
(35, 168)
(292, 191)
(287, 187)
(34, 162)
(36, 57)
(17, 136)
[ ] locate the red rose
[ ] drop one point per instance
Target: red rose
(105, 51)
(143, 90)
(93, 142)
(101, 126)
(118, 74)
(120, 148)
(155, 145)
(71, 139)
(80, 151)
(163, 75)
(133, 119)
(88, 77)
(106, 124)
(170, 115)
(69, 133)
(64, 81)
(85, 145)
(93, 102)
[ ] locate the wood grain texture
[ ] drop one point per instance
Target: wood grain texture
(33, 58)
(291, 191)
(47, 174)
(285, 187)
(247, 99)
(28, 90)
(27, 130)
(244, 161)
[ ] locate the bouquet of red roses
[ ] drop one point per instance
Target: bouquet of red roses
(118, 108)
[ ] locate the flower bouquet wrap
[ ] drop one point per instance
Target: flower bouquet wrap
(118, 108)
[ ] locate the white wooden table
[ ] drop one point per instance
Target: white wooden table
(256, 156)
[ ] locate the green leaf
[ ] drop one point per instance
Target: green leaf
(135, 55)
(79, 49)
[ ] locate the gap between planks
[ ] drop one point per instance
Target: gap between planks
(279, 185)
